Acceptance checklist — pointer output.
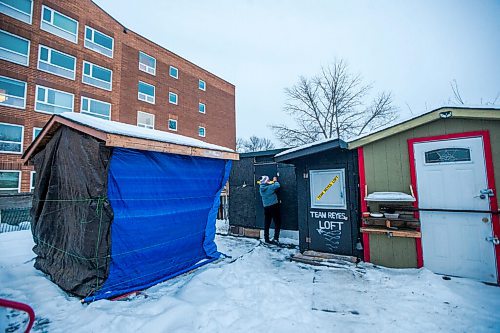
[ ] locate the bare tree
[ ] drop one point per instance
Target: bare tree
(240, 144)
(456, 92)
(331, 105)
(254, 143)
(457, 96)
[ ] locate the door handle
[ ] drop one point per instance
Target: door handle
(493, 239)
(487, 192)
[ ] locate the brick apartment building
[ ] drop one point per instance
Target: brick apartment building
(71, 55)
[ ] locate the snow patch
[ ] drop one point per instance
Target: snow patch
(256, 288)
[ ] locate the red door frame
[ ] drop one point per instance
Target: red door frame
(490, 175)
(364, 206)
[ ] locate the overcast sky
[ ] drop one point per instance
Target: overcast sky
(412, 48)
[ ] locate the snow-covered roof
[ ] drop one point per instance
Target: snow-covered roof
(114, 127)
(385, 127)
(309, 145)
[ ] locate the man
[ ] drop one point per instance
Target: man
(271, 207)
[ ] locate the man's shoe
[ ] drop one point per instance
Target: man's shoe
(268, 241)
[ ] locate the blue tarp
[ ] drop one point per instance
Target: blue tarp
(164, 207)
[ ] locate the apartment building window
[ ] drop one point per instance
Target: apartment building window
(14, 48)
(32, 180)
(59, 24)
(174, 72)
(201, 107)
(172, 124)
(99, 42)
(96, 108)
(56, 62)
(146, 92)
(172, 98)
(53, 101)
(11, 138)
(147, 63)
(21, 10)
(10, 182)
(146, 120)
(202, 85)
(201, 131)
(36, 131)
(12, 93)
(97, 76)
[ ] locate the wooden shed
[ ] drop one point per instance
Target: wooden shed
(118, 208)
(246, 212)
(328, 197)
(444, 163)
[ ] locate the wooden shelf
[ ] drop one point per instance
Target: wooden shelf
(383, 219)
(392, 232)
(405, 223)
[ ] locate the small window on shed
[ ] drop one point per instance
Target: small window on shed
(447, 155)
(327, 189)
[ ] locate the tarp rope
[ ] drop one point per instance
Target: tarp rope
(100, 201)
(96, 258)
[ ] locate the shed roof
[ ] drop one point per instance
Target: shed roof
(259, 153)
(463, 111)
(116, 134)
(489, 112)
(311, 148)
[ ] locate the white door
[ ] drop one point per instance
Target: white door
(451, 175)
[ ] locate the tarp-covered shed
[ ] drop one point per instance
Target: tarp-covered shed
(118, 208)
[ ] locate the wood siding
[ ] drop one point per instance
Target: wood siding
(387, 164)
(387, 168)
(396, 252)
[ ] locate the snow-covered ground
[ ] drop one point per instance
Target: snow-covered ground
(257, 289)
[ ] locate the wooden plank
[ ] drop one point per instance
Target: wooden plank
(115, 140)
(394, 223)
(323, 255)
(393, 233)
(51, 127)
(338, 261)
(383, 219)
(395, 252)
(43, 137)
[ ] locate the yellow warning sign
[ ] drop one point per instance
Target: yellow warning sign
(334, 180)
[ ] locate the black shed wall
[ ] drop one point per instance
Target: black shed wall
(309, 237)
(245, 204)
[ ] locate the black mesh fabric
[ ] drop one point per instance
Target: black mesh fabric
(71, 217)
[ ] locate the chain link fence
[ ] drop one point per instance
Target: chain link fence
(15, 212)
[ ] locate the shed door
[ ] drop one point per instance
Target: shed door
(264, 169)
(451, 175)
(328, 219)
